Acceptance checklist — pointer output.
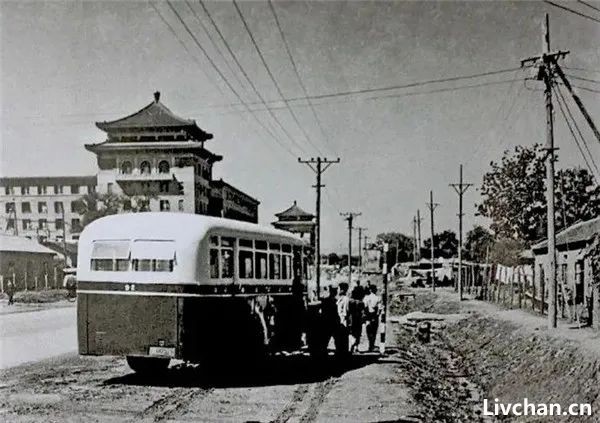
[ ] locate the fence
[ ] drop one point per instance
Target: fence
(24, 280)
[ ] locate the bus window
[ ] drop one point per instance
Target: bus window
(227, 242)
(246, 243)
(286, 267)
(261, 245)
(110, 255)
(276, 247)
(274, 266)
(153, 255)
(214, 263)
(214, 241)
(226, 263)
(245, 259)
(297, 261)
(261, 265)
(286, 248)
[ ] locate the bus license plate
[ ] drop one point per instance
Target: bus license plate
(162, 351)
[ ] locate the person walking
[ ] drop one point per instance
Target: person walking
(355, 309)
(10, 291)
(372, 304)
(343, 303)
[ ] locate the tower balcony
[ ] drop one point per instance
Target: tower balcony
(145, 177)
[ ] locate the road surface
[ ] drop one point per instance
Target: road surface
(36, 335)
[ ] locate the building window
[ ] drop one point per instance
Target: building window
(58, 189)
(74, 189)
(24, 190)
(74, 207)
(91, 189)
(109, 187)
(9, 207)
(75, 225)
(26, 224)
(42, 207)
(145, 168)
(126, 168)
(58, 205)
(163, 186)
(180, 205)
(10, 224)
(164, 205)
(42, 224)
(42, 189)
(8, 190)
(59, 223)
(26, 207)
(163, 167)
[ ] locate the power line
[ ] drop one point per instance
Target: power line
(245, 74)
(277, 87)
(397, 87)
(580, 78)
(582, 69)
(583, 15)
(588, 5)
(295, 67)
(586, 89)
(185, 47)
(560, 96)
(216, 68)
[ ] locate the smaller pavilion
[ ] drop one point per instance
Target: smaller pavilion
(296, 220)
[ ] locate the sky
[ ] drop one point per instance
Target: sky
(66, 65)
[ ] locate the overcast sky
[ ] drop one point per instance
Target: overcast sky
(66, 65)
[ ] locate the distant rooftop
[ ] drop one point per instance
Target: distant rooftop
(20, 244)
(294, 211)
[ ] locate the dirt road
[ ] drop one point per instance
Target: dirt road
(74, 389)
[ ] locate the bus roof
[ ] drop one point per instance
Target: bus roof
(170, 225)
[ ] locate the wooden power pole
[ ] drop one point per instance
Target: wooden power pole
(419, 220)
(415, 246)
(546, 63)
(432, 206)
(349, 216)
(360, 231)
(460, 189)
(318, 169)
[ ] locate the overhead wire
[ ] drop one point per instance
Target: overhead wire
(224, 78)
(271, 76)
(589, 5)
(297, 72)
(583, 15)
(580, 78)
(247, 77)
(560, 97)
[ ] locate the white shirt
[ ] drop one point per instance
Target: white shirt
(371, 302)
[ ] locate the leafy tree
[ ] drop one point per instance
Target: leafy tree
(477, 244)
(400, 246)
(445, 244)
(93, 205)
(514, 195)
(507, 251)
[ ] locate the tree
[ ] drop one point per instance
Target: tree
(400, 247)
(93, 206)
(507, 251)
(478, 243)
(514, 195)
(445, 244)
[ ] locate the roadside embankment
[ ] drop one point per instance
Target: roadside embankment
(505, 354)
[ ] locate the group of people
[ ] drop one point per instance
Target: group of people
(361, 307)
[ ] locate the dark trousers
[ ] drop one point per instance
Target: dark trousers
(372, 325)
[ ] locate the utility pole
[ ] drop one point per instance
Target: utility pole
(64, 231)
(349, 216)
(419, 220)
(360, 230)
(415, 247)
(432, 206)
(547, 65)
(318, 169)
(460, 189)
(14, 213)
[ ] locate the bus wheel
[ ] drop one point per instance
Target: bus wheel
(148, 365)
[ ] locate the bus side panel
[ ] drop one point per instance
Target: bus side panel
(82, 327)
(130, 325)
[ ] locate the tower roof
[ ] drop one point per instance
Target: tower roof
(155, 115)
(294, 211)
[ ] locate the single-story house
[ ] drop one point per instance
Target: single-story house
(573, 268)
(27, 263)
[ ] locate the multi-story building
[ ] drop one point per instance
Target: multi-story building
(43, 207)
(153, 158)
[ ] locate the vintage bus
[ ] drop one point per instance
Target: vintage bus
(160, 286)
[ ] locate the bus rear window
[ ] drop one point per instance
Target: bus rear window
(110, 256)
(153, 255)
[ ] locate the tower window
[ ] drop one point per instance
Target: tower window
(163, 167)
(145, 168)
(126, 168)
